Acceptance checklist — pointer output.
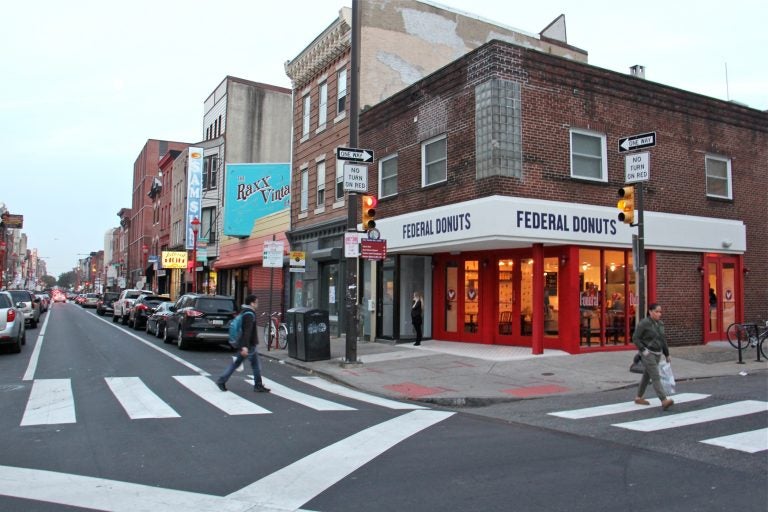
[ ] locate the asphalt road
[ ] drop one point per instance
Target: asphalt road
(97, 416)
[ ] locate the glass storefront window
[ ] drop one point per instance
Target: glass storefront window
(526, 297)
(615, 296)
(471, 296)
(607, 312)
(506, 295)
(551, 302)
(415, 276)
(589, 295)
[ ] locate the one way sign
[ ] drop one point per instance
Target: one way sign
(633, 142)
(354, 154)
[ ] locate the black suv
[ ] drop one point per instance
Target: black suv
(199, 318)
(106, 303)
(143, 308)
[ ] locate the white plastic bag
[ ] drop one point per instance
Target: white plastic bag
(667, 379)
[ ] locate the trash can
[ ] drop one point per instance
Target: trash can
(313, 335)
(290, 322)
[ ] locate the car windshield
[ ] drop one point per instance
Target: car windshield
(132, 295)
(20, 295)
(164, 306)
(207, 305)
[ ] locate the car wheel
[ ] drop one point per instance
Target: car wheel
(158, 331)
(136, 325)
(99, 312)
(124, 320)
(114, 318)
(183, 345)
(33, 324)
(167, 338)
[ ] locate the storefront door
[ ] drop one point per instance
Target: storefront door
(722, 290)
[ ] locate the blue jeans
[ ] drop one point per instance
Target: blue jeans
(253, 357)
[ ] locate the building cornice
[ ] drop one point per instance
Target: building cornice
(326, 48)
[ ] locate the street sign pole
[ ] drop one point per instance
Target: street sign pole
(641, 278)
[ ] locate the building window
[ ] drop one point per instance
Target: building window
(718, 177)
(498, 133)
(209, 172)
(341, 91)
(304, 204)
(434, 158)
(322, 113)
(339, 180)
(588, 156)
(388, 176)
(320, 184)
(208, 224)
(219, 126)
(305, 117)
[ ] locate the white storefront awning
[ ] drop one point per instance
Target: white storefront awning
(502, 222)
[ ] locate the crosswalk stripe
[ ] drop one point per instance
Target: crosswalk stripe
(230, 403)
(138, 400)
(622, 407)
(750, 442)
(296, 484)
(313, 402)
(701, 416)
(356, 395)
(50, 403)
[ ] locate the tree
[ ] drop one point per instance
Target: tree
(67, 280)
(48, 281)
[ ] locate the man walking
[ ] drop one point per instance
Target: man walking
(246, 348)
(651, 342)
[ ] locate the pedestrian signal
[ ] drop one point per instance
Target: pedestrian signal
(369, 212)
(626, 204)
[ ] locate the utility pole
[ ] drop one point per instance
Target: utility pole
(351, 292)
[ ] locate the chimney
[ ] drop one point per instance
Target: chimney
(637, 70)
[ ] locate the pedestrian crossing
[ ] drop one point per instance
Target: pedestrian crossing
(749, 442)
(52, 401)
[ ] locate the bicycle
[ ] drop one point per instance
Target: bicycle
(275, 332)
(745, 335)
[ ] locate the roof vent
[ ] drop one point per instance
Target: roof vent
(637, 70)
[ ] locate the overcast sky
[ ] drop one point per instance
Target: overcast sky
(86, 83)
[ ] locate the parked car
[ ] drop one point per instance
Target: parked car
(199, 318)
(45, 301)
(28, 304)
(156, 321)
(79, 299)
(13, 331)
(106, 303)
(90, 300)
(124, 303)
(144, 306)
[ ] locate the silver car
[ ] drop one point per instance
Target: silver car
(28, 304)
(12, 325)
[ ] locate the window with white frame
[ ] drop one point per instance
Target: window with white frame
(304, 204)
(207, 224)
(322, 113)
(341, 91)
(305, 117)
(320, 184)
(339, 180)
(718, 171)
(209, 172)
(388, 176)
(434, 161)
(588, 155)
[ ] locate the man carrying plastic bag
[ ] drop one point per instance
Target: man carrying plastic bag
(651, 342)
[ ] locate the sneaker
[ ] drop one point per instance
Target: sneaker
(642, 401)
(666, 404)
(222, 386)
(259, 388)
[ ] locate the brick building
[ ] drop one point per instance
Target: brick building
(497, 179)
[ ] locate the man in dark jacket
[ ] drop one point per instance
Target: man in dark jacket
(650, 341)
(246, 347)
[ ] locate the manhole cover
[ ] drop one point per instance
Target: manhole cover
(547, 374)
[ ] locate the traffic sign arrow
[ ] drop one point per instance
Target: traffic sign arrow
(633, 142)
(354, 154)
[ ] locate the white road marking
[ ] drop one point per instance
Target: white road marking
(750, 442)
(138, 400)
(296, 484)
(604, 410)
(694, 417)
(50, 403)
(35, 357)
(228, 402)
(356, 395)
(313, 402)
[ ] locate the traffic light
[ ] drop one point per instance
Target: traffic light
(626, 204)
(369, 212)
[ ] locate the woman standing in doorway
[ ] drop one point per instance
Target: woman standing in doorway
(417, 316)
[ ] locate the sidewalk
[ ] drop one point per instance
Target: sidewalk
(470, 374)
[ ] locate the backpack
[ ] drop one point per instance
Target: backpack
(236, 328)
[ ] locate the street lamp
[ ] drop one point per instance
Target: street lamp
(195, 230)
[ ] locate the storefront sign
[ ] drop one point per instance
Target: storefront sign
(373, 249)
(253, 191)
(194, 192)
(298, 261)
(273, 254)
(174, 259)
(11, 221)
